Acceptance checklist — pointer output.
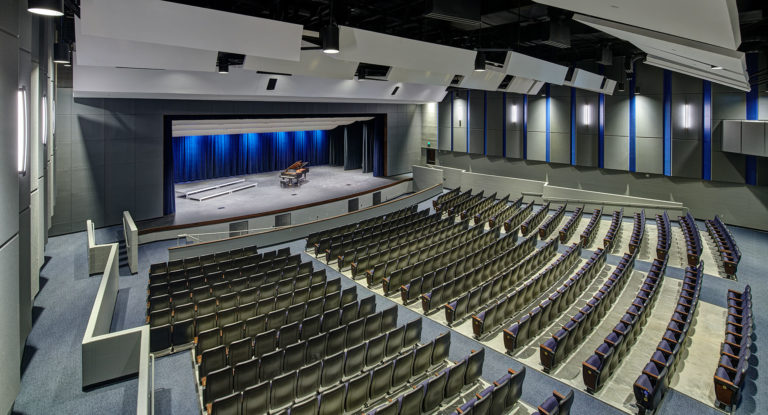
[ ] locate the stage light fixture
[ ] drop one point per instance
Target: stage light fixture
(586, 114)
(223, 67)
(637, 90)
(330, 39)
(480, 62)
(22, 133)
(61, 52)
(514, 114)
(44, 119)
(46, 7)
(620, 86)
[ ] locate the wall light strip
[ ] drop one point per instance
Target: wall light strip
(514, 114)
(586, 114)
(22, 140)
(44, 120)
(687, 116)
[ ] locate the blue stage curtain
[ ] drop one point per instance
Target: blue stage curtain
(208, 157)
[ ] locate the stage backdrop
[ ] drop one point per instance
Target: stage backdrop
(212, 156)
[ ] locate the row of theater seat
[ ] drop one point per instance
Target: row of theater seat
(448, 266)
(465, 204)
(590, 231)
(492, 210)
(614, 230)
(327, 359)
(226, 323)
(557, 404)
(316, 237)
(498, 286)
(414, 254)
(397, 243)
(311, 390)
(550, 223)
(332, 246)
(569, 337)
(499, 311)
(650, 386)
(469, 211)
(448, 203)
(530, 324)
(445, 196)
(609, 355)
(265, 337)
(516, 219)
(571, 225)
(488, 265)
(664, 236)
(253, 301)
(692, 238)
(445, 238)
(497, 399)
(393, 233)
(240, 290)
(286, 268)
(638, 232)
(215, 258)
(735, 349)
(504, 213)
(193, 268)
(436, 256)
(529, 224)
(730, 254)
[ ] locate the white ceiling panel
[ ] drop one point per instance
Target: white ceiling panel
(715, 22)
(91, 81)
(680, 53)
(520, 85)
(526, 66)
(488, 80)
(364, 46)
(610, 85)
(311, 63)
(419, 77)
(103, 51)
(535, 88)
(157, 21)
(585, 80)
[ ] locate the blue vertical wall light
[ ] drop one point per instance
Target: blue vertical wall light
(547, 124)
(706, 152)
(667, 134)
(752, 103)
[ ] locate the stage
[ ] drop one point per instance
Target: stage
(265, 194)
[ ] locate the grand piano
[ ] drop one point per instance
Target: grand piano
(294, 174)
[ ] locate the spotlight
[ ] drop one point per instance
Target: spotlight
(45, 7)
(223, 67)
(480, 62)
(330, 39)
(637, 90)
(61, 52)
(621, 86)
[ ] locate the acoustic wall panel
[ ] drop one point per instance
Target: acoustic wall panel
(586, 150)
(476, 121)
(514, 144)
(560, 147)
(686, 158)
(616, 152)
(444, 122)
(537, 145)
(514, 125)
(495, 124)
(650, 155)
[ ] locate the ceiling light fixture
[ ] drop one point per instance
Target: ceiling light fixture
(480, 62)
(716, 67)
(620, 86)
(46, 7)
(223, 67)
(61, 52)
(330, 38)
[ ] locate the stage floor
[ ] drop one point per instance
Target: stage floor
(323, 183)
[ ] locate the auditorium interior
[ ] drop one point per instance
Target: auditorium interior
(322, 207)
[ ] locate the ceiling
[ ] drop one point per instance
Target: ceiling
(526, 43)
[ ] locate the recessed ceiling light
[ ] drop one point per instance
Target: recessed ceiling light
(716, 67)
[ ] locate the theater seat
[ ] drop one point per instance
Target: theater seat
(331, 402)
(227, 405)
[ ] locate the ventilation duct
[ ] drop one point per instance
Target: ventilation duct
(457, 11)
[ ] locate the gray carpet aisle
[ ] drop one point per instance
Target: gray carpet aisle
(51, 366)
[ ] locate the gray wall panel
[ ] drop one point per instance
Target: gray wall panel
(650, 155)
(693, 115)
(537, 113)
(560, 148)
(586, 150)
(617, 114)
(650, 80)
(9, 180)
(445, 138)
(616, 152)
(476, 121)
(686, 158)
(537, 146)
(649, 115)
(495, 124)
(495, 143)
(560, 114)
(514, 143)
